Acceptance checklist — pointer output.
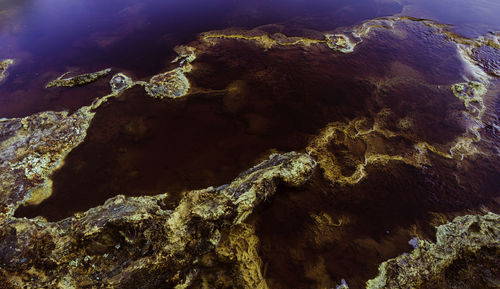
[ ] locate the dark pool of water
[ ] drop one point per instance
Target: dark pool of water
(50, 37)
(395, 201)
(246, 102)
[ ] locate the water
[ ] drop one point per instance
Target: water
(247, 102)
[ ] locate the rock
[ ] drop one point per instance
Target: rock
(120, 82)
(340, 42)
(171, 84)
(31, 148)
(465, 255)
(79, 80)
(159, 244)
(4, 65)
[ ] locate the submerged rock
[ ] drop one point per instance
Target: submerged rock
(78, 80)
(142, 242)
(465, 255)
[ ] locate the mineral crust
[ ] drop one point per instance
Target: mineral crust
(31, 148)
(140, 242)
(171, 84)
(4, 65)
(78, 80)
(465, 255)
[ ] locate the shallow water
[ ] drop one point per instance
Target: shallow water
(246, 102)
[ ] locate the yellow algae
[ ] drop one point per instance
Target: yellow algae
(78, 80)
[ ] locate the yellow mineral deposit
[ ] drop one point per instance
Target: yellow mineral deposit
(41, 142)
(78, 80)
(185, 54)
(469, 93)
(342, 133)
(340, 42)
(337, 42)
(171, 84)
(36, 147)
(4, 65)
(429, 264)
(260, 40)
(174, 83)
(242, 247)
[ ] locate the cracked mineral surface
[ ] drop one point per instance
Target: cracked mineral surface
(353, 146)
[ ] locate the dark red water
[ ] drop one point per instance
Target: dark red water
(138, 145)
(246, 102)
(50, 37)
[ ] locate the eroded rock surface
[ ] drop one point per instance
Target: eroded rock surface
(465, 255)
(141, 242)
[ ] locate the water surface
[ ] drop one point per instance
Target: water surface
(247, 102)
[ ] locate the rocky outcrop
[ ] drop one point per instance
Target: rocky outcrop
(171, 84)
(142, 242)
(31, 148)
(4, 65)
(465, 255)
(78, 80)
